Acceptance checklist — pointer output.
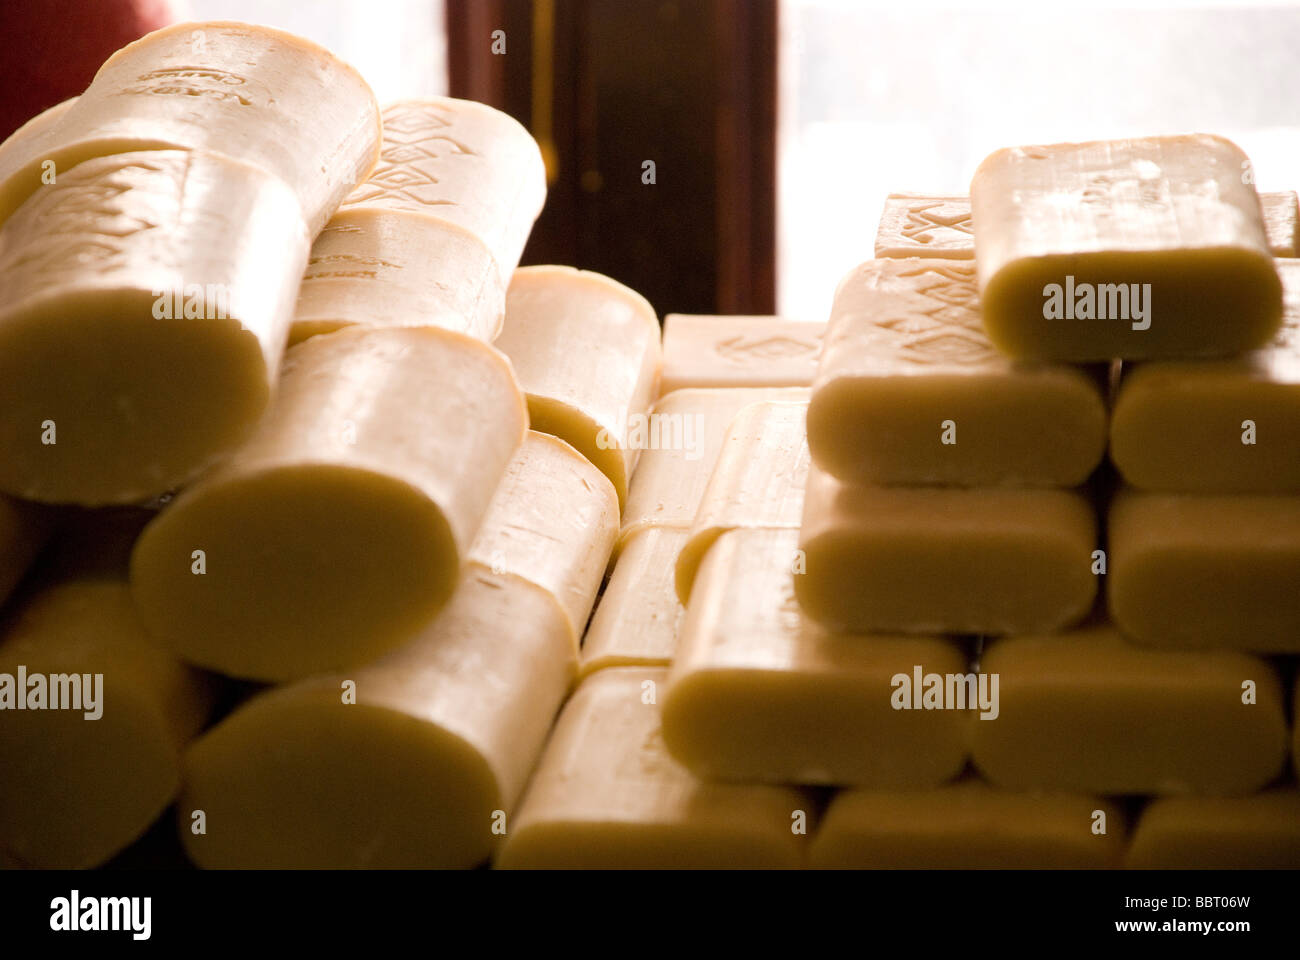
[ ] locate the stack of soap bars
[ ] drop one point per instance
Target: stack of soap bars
(337, 538)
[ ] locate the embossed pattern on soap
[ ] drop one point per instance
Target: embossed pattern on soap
(413, 144)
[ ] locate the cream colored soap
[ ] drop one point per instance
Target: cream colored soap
(708, 351)
(945, 559)
(1281, 222)
(586, 350)
(385, 268)
(33, 137)
(1216, 426)
(607, 795)
(76, 790)
(911, 391)
(145, 299)
(757, 483)
(687, 430)
(1171, 215)
(1206, 571)
(1090, 711)
(968, 826)
(339, 530)
(760, 694)
(252, 93)
(637, 619)
(415, 772)
(553, 522)
(923, 225)
(462, 162)
(1221, 833)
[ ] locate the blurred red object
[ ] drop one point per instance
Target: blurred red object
(50, 49)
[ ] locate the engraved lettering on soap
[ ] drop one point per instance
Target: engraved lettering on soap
(415, 145)
(933, 221)
(198, 563)
(951, 691)
(499, 43)
(207, 82)
(78, 692)
(1248, 433)
(1107, 301)
(198, 823)
(192, 301)
(648, 172)
(349, 692)
(76, 913)
(948, 433)
(352, 266)
(48, 172)
(743, 348)
(1098, 563)
(1099, 823)
(49, 433)
(1248, 692)
(799, 823)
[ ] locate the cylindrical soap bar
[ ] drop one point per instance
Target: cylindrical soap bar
(268, 98)
(144, 303)
(339, 529)
(462, 162)
(93, 718)
(586, 350)
(382, 268)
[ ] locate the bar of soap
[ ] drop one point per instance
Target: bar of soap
(967, 826)
(1281, 222)
(76, 790)
(607, 795)
(416, 772)
(24, 528)
(709, 351)
(1219, 833)
(924, 225)
(462, 162)
(1075, 225)
(1191, 570)
(1089, 711)
(1216, 426)
(586, 350)
(911, 391)
(553, 521)
(637, 619)
(758, 482)
(760, 694)
(384, 268)
(688, 428)
(945, 559)
(145, 299)
(340, 528)
(33, 138)
(256, 94)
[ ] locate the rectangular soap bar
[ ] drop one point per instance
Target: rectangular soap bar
(253, 93)
(686, 431)
(145, 299)
(758, 481)
(911, 391)
(461, 162)
(406, 763)
(924, 225)
(1281, 222)
(586, 351)
(760, 694)
(93, 717)
(709, 351)
(1219, 833)
(1190, 570)
(1136, 249)
(607, 795)
(636, 621)
(967, 826)
(1090, 711)
(1216, 426)
(341, 527)
(552, 521)
(387, 268)
(945, 559)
